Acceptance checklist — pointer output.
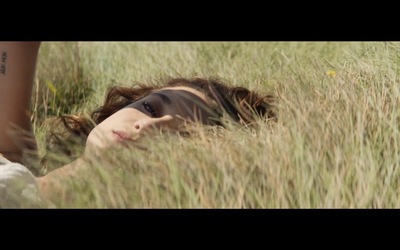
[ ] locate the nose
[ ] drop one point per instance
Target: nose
(145, 125)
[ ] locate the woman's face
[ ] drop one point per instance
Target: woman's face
(163, 109)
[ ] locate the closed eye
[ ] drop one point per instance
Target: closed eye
(149, 109)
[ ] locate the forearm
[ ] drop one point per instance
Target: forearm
(17, 70)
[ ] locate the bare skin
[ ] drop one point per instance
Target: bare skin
(172, 106)
(166, 109)
(17, 70)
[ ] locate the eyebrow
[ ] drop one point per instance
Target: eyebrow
(164, 98)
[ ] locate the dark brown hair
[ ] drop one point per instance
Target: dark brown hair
(240, 104)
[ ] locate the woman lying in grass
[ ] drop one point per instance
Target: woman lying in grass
(131, 113)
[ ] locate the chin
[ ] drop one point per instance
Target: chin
(97, 143)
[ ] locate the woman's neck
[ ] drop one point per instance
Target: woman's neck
(52, 184)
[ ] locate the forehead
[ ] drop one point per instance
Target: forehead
(174, 101)
(183, 103)
(177, 102)
(188, 89)
(176, 96)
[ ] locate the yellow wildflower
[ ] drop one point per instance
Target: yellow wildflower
(331, 73)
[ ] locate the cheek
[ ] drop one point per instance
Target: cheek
(124, 120)
(99, 135)
(93, 139)
(120, 117)
(176, 124)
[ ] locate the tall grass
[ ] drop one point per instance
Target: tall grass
(336, 143)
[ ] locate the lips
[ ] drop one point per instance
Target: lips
(122, 135)
(127, 140)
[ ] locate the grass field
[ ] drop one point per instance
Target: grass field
(336, 143)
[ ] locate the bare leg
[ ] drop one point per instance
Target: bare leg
(17, 71)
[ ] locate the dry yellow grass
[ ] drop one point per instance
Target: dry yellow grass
(336, 144)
